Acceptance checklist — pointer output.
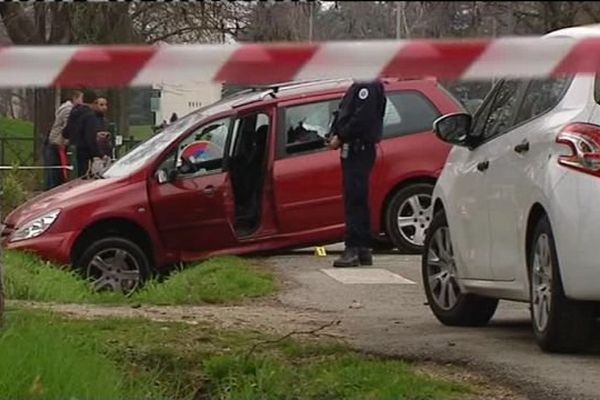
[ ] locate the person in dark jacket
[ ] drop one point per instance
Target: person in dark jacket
(85, 123)
(357, 129)
(104, 137)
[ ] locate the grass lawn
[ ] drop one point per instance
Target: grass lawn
(15, 128)
(220, 280)
(20, 146)
(134, 359)
(140, 132)
(24, 129)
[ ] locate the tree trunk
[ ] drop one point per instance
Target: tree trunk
(24, 29)
(11, 108)
(45, 106)
(118, 104)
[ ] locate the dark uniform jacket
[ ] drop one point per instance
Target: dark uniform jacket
(361, 111)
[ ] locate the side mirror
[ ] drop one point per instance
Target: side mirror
(163, 176)
(454, 128)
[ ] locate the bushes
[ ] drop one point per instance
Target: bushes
(1, 292)
(12, 191)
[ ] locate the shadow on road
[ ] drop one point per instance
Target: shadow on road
(520, 330)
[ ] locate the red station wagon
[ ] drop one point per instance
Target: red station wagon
(249, 173)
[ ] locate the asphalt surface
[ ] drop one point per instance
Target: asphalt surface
(392, 319)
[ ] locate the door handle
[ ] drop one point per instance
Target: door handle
(522, 148)
(482, 166)
(209, 190)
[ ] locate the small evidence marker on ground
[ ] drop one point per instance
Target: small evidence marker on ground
(320, 251)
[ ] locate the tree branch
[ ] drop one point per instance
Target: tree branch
(589, 10)
(60, 30)
(176, 32)
(281, 339)
(20, 28)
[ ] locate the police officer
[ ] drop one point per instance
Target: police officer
(357, 129)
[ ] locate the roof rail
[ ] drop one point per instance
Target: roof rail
(295, 84)
(254, 99)
(263, 91)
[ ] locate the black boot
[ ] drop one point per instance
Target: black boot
(364, 256)
(349, 258)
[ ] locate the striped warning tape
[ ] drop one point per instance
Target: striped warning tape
(69, 66)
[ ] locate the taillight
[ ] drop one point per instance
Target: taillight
(584, 141)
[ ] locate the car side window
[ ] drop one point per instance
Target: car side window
(305, 126)
(202, 152)
(501, 113)
(408, 112)
(541, 96)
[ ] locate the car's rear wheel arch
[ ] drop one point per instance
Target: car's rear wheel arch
(122, 228)
(536, 213)
(438, 207)
(398, 187)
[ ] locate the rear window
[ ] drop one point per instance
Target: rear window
(408, 112)
(541, 96)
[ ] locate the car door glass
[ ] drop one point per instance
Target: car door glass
(307, 125)
(202, 151)
(408, 112)
(542, 95)
(250, 136)
(502, 111)
(481, 115)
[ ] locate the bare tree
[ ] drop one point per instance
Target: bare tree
(114, 23)
(270, 22)
(42, 23)
(190, 23)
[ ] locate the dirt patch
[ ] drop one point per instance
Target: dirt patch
(486, 388)
(264, 318)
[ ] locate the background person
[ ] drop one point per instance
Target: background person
(55, 143)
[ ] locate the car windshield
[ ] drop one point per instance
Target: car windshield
(151, 148)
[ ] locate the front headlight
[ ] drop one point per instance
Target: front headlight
(35, 227)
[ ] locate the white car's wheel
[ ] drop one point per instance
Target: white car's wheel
(559, 324)
(447, 302)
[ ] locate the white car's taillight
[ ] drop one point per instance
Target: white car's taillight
(584, 141)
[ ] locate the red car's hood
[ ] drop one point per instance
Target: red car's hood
(61, 197)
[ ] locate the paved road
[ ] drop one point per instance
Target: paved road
(393, 319)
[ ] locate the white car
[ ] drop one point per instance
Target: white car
(517, 208)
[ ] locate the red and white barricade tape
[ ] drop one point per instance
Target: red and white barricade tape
(96, 66)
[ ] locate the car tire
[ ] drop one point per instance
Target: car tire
(402, 205)
(115, 264)
(439, 271)
(560, 325)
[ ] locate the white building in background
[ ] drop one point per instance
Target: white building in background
(182, 98)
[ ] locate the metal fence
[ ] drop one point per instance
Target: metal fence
(17, 158)
(19, 151)
(16, 150)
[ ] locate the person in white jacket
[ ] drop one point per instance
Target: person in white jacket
(55, 143)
